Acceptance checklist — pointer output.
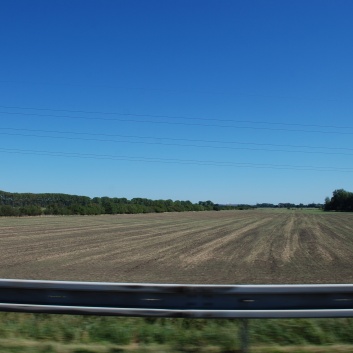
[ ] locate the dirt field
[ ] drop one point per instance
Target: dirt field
(228, 247)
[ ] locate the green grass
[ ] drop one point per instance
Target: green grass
(32, 346)
(92, 334)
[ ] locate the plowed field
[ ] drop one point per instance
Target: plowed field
(228, 247)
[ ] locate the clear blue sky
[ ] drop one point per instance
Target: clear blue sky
(233, 101)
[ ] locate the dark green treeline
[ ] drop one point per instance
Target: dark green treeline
(341, 200)
(28, 204)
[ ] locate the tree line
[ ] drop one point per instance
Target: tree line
(289, 205)
(341, 200)
(29, 204)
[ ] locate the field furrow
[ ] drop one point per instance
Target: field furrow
(255, 246)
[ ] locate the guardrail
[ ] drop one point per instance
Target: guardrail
(178, 300)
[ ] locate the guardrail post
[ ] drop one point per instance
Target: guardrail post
(244, 336)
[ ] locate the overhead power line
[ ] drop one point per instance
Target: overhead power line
(174, 144)
(170, 117)
(173, 160)
(178, 123)
(175, 139)
(172, 90)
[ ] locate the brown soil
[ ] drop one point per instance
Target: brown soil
(228, 247)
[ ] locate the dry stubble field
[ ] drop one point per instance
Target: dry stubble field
(228, 247)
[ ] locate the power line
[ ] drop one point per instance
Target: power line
(174, 144)
(178, 123)
(176, 117)
(169, 90)
(175, 139)
(173, 161)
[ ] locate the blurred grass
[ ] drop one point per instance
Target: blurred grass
(26, 346)
(29, 333)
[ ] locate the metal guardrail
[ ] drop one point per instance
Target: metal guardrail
(177, 300)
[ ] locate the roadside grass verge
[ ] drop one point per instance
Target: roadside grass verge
(32, 346)
(94, 334)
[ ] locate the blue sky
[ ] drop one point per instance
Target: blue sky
(233, 101)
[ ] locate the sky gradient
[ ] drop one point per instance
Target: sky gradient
(232, 101)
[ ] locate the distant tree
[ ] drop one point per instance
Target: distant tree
(341, 200)
(207, 205)
(121, 208)
(108, 206)
(77, 209)
(217, 207)
(31, 210)
(8, 211)
(327, 205)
